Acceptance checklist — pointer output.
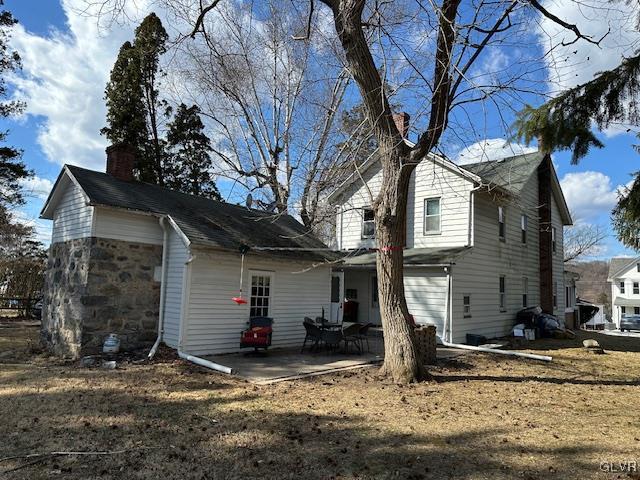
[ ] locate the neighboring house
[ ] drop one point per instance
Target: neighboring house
(624, 275)
(123, 252)
(483, 241)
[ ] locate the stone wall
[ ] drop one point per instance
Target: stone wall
(97, 286)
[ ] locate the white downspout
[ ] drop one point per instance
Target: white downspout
(447, 336)
(186, 286)
(163, 288)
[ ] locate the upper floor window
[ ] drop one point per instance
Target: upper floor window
(525, 291)
(368, 223)
(503, 293)
(622, 287)
(501, 223)
(554, 240)
(432, 216)
(555, 294)
(636, 288)
(524, 223)
(638, 266)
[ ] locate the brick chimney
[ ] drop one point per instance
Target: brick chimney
(121, 159)
(402, 123)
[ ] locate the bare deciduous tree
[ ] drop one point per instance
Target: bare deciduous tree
(582, 240)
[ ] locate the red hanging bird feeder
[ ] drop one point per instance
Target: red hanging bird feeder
(239, 300)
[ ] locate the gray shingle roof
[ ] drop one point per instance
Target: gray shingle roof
(205, 222)
(412, 256)
(618, 263)
(511, 173)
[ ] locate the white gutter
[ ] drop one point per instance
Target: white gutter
(447, 336)
(186, 287)
(163, 288)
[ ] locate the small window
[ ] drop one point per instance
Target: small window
(623, 310)
(432, 216)
(524, 223)
(622, 287)
(466, 306)
(554, 242)
(260, 296)
(503, 294)
(636, 310)
(368, 223)
(525, 292)
(555, 294)
(501, 223)
(636, 288)
(638, 267)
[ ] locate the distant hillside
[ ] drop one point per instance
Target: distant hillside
(593, 285)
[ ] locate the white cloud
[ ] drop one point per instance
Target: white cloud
(490, 149)
(589, 195)
(42, 228)
(37, 187)
(63, 82)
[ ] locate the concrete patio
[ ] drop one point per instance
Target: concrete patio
(280, 364)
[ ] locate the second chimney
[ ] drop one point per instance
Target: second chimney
(121, 159)
(402, 123)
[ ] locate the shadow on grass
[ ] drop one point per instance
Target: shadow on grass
(197, 425)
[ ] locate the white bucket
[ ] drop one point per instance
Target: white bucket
(111, 344)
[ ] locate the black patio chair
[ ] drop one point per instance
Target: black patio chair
(350, 336)
(363, 335)
(332, 338)
(313, 333)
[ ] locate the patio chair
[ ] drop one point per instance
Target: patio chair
(363, 335)
(350, 336)
(332, 338)
(313, 333)
(259, 333)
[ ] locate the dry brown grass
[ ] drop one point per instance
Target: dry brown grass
(480, 416)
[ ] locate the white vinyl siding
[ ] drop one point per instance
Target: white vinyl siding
(426, 294)
(215, 321)
(126, 226)
(629, 277)
(176, 257)
(73, 217)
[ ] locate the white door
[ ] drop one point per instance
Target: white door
(337, 296)
(374, 306)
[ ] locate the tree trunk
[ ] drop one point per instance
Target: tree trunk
(401, 361)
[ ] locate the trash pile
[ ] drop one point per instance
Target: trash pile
(533, 323)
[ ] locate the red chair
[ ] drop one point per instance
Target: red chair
(258, 335)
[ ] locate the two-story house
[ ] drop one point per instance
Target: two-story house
(483, 241)
(624, 275)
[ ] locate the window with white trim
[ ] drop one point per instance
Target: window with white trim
(555, 294)
(636, 288)
(623, 310)
(368, 223)
(466, 306)
(503, 293)
(501, 224)
(554, 241)
(260, 302)
(432, 216)
(524, 223)
(636, 310)
(622, 287)
(525, 292)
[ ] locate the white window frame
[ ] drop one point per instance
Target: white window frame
(554, 240)
(466, 305)
(524, 226)
(622, 288)
(636, 288)
(502, 223)
(373, 222)
(502, 293)
(555, 294)
(525, 292)
(269, 306)
(439, 215)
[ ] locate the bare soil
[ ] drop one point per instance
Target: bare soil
(477, 417)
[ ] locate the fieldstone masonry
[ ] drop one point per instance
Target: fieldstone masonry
(97, 286)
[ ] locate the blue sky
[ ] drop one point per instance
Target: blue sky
(66, 63)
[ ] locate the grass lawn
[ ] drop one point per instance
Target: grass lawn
(480, 416)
